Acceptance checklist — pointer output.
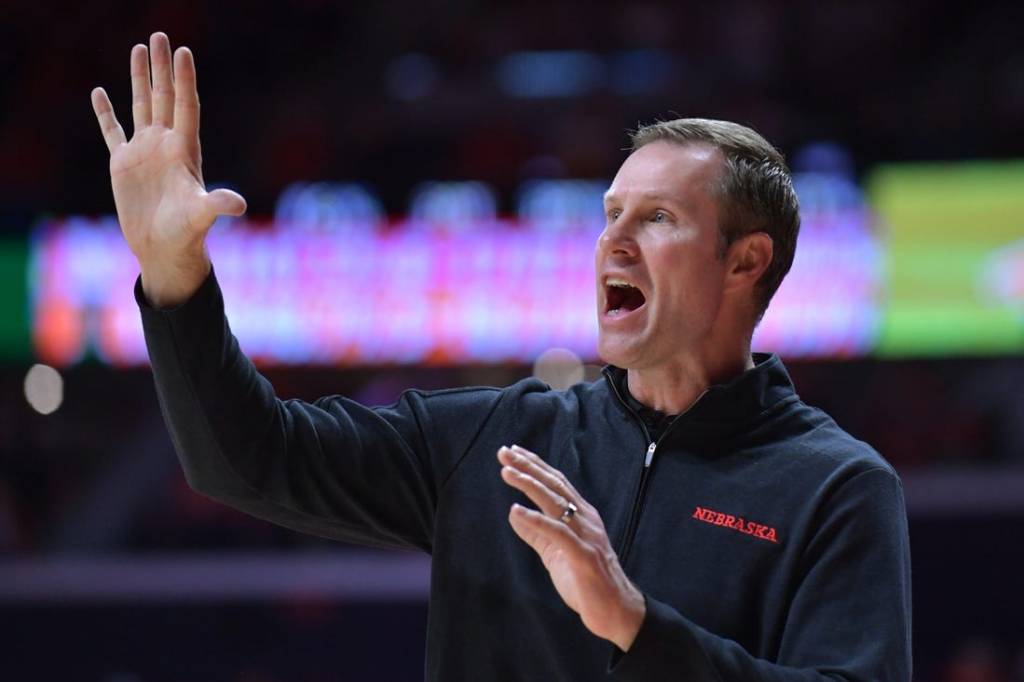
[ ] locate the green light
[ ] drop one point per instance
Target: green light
(944, 225)
(15, 344)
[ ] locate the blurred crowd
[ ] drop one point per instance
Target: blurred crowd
(391, 93)
(107, 447)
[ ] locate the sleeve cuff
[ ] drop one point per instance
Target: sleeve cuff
(196, 328)
(208, 288)
(665, 641)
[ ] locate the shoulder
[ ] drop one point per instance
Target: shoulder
(827, 439)
(814, 443)
(529, 394)
(533, 395)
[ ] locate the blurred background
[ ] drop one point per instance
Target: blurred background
(424, 186)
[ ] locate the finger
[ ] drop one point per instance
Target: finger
(203, 213)
(142, 95)
(163, 84)
(113, 134)
(186, 96)
(225, 202)
(542, 532)
(524, 460)
(584, 522)
(547, 500)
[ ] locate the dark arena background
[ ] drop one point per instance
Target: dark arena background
(424, 184)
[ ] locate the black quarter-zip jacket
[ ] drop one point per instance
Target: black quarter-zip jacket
(768, 543)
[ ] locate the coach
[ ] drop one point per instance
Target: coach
(689, 517)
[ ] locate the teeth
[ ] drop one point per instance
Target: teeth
(615, 282)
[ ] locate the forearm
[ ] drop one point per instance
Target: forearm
(199, 377)
(319, 468)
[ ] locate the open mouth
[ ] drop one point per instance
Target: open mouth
(621, 297)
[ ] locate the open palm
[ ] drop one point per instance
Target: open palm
(162, 204)
(567, 577)
(585, 573)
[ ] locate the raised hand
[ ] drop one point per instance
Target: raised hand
(162, 204)
(574, 548)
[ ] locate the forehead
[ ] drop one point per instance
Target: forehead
(683, 173)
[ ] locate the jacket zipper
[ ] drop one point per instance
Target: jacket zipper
(638, 500)
(634, 514)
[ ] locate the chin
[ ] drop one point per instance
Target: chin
(620, 353)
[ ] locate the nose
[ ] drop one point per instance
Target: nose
(618, 239)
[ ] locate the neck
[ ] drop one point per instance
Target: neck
(674, 387)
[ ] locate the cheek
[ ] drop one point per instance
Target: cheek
(693, 283)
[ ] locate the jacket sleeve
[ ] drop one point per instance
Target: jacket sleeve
(333, 467)
(849, 618)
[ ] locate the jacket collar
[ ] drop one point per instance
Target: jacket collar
(739, 401)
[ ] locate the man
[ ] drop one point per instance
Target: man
(691, 518)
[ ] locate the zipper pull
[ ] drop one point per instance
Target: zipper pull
(650, 454)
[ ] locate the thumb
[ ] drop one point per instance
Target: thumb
(224, 202)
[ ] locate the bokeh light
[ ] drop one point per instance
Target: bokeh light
(560, 368)
(44, 389)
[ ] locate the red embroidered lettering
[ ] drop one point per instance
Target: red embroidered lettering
(738, 524)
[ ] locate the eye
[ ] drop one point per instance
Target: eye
(613, 213)
(660, 217)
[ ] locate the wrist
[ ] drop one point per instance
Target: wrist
(631, 618)
(168, 283)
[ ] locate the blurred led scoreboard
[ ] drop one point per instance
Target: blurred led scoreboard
(494, 293)
(933, 263)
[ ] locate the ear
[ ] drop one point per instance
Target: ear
(747, 259)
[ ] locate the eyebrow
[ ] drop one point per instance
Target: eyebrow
(648, 196)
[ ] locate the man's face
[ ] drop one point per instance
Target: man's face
(661, 238)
